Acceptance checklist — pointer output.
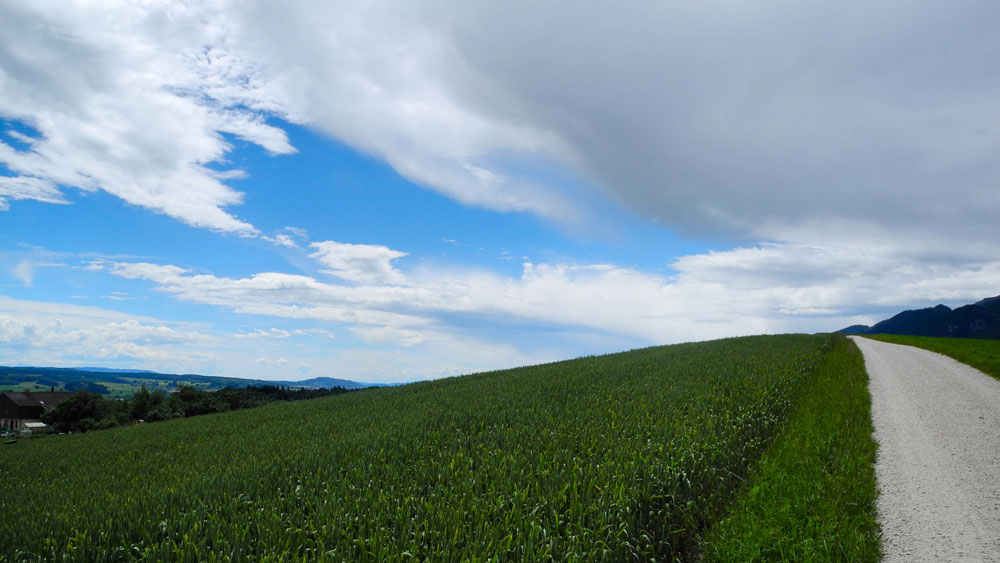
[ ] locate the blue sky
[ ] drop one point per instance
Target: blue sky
(396, 192)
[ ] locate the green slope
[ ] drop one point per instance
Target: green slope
(629, 456)
(981, 354)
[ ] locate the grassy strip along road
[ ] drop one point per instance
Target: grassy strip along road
(983, 355)
(812, 498)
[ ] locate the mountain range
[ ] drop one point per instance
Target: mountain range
(977, 320)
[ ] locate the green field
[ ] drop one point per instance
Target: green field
(33, 387)
(631, 456)
(983, 355)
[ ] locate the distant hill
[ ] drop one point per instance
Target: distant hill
(978, 320)
(327, 382)
(123, 383)
(113, 370)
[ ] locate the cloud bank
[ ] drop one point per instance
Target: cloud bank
(772, 288)
(409, 319)
(42, 332)
(716, 118)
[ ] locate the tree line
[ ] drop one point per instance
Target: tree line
(87, 410)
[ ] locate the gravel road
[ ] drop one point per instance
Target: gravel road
(937, 424)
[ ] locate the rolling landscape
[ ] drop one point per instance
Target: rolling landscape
(451, 281)
(125, 383)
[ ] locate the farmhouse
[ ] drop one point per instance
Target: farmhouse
(17, 409)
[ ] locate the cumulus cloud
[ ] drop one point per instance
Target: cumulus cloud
(47, 332)
(40, 333)
(361, 263)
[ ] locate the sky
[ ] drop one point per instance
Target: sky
(395, 191)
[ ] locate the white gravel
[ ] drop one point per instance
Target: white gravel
(937, 424)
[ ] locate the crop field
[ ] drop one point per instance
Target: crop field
(33, 387)
(981, 354)
(630, 456)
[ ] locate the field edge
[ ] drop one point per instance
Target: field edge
(812, 495)
(981, 354)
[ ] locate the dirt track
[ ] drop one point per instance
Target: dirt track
(937, 423)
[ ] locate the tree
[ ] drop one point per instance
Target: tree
(86, 411)
(142, 401)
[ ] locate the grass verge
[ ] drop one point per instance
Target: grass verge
(983, 355)
(812, 498)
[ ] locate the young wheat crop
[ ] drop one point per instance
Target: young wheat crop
(615, 458)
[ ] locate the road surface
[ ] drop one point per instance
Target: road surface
(937, 424)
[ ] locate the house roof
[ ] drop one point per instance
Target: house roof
(45, 399)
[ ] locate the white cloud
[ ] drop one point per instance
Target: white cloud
(775, 287)
(313, 332)
(260, 333)
(26, 268)
(24, 271)
(275, 294)
(281, 239)
(131, 99)
(715, 118)
(287, 237)
(437, 321)
(360, 263)
(263, 360)
(391, 335)
(28, 188)
(119, 97)
(38, 333)
(43, 333)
